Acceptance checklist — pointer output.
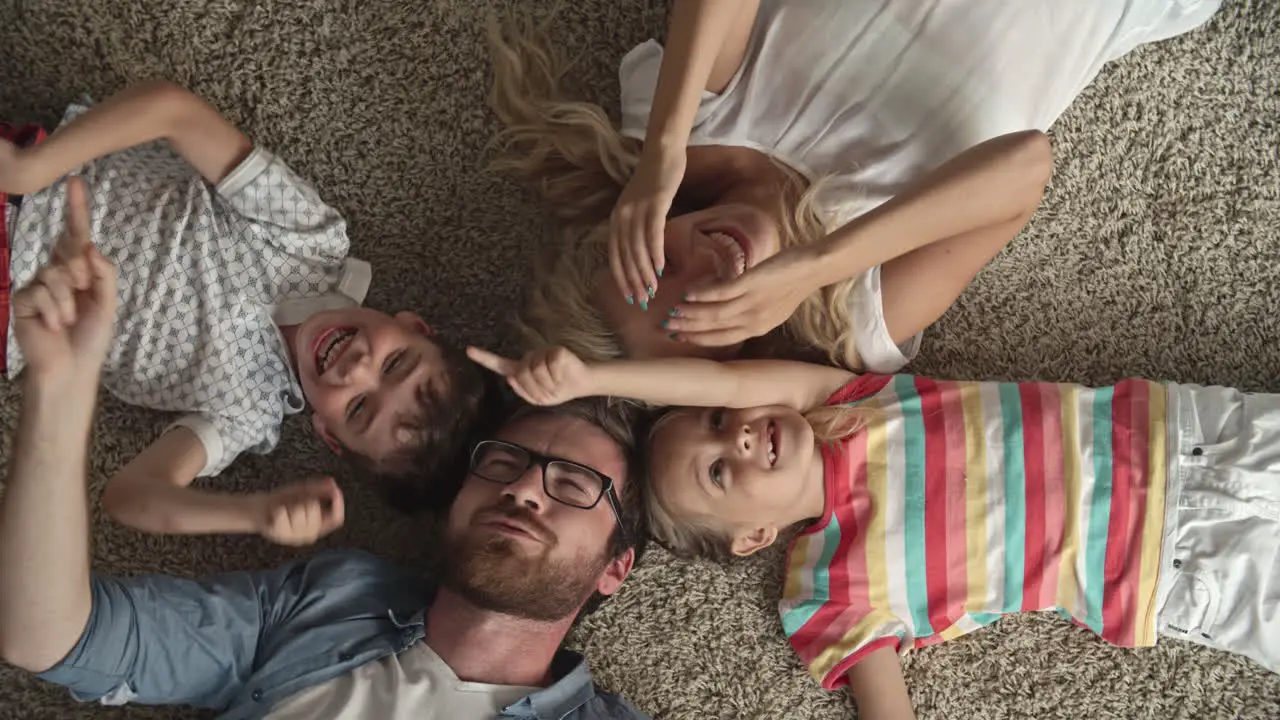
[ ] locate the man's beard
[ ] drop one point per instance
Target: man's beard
(494, 573)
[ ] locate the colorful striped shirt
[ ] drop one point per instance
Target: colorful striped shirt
(959, 502)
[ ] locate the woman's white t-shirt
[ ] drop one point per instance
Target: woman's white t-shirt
(871, 94)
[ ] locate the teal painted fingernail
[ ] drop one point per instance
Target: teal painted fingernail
(671, 335)
(644, 303)
(659, 272)
(652, 292)
(673, 311)
(665, 323)
(685, 297)
(631, 300)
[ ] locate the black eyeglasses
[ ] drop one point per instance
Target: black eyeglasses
(565, 482)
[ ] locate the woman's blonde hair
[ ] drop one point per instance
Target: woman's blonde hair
(701, 536)
(577, 161)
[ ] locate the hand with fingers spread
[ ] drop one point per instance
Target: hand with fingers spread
(750, 305)
(638, 222)
(302, 513)
(64, 319)
(547, 376)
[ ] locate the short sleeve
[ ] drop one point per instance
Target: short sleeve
(870, 333)
(265, 190)
(225, 437)
(638, 80)
(162, 640)
(834, 637)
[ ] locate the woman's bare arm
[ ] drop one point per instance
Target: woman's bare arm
(706, 42)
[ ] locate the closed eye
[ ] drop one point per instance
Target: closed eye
(356, 407)
(394, 361)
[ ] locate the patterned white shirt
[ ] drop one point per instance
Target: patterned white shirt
(205, 276)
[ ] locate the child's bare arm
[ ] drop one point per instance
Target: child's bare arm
(153, 494)
(879, 688)
(556, 375)
(139, 114)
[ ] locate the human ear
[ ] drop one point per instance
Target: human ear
(413, 320)
(754, 540)
(615, 572)
(325, 434)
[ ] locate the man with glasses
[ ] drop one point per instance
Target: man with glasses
(547, 519)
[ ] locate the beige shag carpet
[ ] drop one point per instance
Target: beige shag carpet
(1157, 253)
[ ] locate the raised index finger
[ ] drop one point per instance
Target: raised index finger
(75, 238)
(492, 361)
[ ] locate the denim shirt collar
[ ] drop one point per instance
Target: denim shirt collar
(572, 689)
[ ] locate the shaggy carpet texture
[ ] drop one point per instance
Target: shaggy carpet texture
(1156, 253)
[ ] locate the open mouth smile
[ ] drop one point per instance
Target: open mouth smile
(330, 346)
(732, 252)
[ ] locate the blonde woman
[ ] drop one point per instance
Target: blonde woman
(839, 168)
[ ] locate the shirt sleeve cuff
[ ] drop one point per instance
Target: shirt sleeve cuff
(871, 338)
(837, 677)
(251, 167)
(209, 437)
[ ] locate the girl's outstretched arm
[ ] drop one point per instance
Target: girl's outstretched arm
(706, 42)
(139, 114)
(555, 375)
(879, 688)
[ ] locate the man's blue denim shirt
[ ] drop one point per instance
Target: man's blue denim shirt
(241, 642)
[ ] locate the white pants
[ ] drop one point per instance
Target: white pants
(1220, 568)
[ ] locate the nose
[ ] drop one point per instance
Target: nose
(527, 489)
(745, 439)
(355, 365)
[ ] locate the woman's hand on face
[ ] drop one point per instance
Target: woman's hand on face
(546, 376)
(638, 222)
(748, 306)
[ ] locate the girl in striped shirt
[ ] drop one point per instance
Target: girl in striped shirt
(930, 508)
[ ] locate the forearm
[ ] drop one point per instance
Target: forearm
(889, 703)
(156, 506)
(697, 33)
(706, 383)
(878, 686)
(670, 381)
(44, 524)
(139, 114)
(987, 185)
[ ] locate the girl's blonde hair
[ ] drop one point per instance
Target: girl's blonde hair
(576, 160)
(702, 536)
